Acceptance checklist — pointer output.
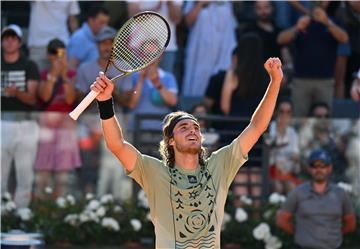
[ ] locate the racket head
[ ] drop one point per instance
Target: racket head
(140, 42)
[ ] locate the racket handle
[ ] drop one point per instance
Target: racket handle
(83, 105)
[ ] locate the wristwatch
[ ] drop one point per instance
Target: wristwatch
(50, 77)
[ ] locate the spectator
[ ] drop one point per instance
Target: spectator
(244, 85)
(213, 90)
(315, 38)
(155, 92)
(355, 88)
(210, 43)
(58, 152)
(90, 130)
(211, 137)
(245, 82)
(171, 10)
(266, 29)
(320, 110)
(284, 149)
(82, 44)
(321, 211)
(352, 24)
(19, 131)
(50, 20)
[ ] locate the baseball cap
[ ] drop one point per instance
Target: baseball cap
(12, 28)
(319, 155)
(106, 33)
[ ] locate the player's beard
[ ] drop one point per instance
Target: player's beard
(190, 150)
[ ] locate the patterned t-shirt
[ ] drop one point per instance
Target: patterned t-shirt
(187, 206)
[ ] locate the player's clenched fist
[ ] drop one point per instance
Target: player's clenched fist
(104, 86)
(273, 67)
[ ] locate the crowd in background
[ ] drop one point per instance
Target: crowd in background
(214, 59)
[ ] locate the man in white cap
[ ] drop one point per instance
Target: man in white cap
(19, 82)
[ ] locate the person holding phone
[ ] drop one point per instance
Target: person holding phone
(58, 150)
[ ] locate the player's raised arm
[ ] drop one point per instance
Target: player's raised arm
(263, 113)
(113, 135)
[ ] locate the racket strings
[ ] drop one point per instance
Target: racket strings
(140, 42)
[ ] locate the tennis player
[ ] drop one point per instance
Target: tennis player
(186, 191)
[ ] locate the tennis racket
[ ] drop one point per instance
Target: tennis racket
(138, 43)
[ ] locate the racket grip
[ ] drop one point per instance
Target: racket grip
(83, 105)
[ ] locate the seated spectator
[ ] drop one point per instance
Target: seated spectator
(155, 92)
(320, 110)
(355, 88)
(58, 152)
(211, 137)
(245, 82)
(284, 149)
(19, 130)
(82, 44)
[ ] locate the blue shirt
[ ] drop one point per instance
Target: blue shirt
(151, 101)
(82, 45)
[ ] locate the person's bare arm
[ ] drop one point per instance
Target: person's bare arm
(299, 7)
(227, 90)
(28, 97)
(340, 70)
(349, 223)
(355, 5)
(284, 221)
(337, 32)
(115, 142)
(288, 35)
(191, 17)
(133, 8)
(263, 113)
(174, 12)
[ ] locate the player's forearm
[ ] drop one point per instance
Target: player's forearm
(112, 134)
(263, 113)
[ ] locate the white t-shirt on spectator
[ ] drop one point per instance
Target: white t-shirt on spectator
(48, 20)
(148, 5)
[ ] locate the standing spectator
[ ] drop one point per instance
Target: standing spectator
(58, 152)
(19, 132)
(90, 130)
(171, 10)
(322, 211)
(82, 44)
(284, 149)
(316, 38)
(50, 20)
(266, 29)
(210, 43)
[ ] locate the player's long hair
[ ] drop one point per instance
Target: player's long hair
(166, 150)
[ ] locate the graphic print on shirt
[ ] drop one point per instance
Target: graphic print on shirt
(9, 78)
(194, 214)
